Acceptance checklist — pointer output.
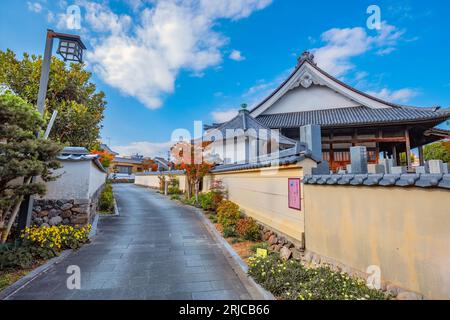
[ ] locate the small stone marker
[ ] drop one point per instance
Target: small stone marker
(398, 170)
(421, 169)
(387, 163)
(375, 168)
(349, 168)
(437, 166)
(358, 156)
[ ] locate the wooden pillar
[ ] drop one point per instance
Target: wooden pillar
(421, 160)
(408, 149)
(394, 154)
(331, 150)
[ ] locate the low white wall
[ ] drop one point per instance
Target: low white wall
(151, 180)
(77, 180)
(96, 179)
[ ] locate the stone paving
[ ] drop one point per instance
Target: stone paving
(155, 249)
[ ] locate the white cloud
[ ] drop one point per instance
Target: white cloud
(34, 6)
(146, 148)
(236, 55)
(401, 96)
(343, 44)
(142, 56)
(220, 116)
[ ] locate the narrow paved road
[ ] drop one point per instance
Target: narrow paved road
(155, 249)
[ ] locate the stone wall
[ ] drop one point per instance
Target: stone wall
(75, 212)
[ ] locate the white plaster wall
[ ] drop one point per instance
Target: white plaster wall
(78, 180)
(152, 181)
(313, 98)
(73, 182)
(96, 178)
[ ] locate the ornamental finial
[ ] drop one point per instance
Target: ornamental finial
(306, 56)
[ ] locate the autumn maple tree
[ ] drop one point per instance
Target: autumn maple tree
(189, 157)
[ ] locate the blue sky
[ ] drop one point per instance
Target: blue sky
(164, 64)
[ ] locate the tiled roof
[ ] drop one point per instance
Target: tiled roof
(285, 157)
(80, 154)
(425, 180)
(245, 122)
(352, 116)
(157, 173)
(126, 160)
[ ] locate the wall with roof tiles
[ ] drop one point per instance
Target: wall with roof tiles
(263, 194)
(404, 231)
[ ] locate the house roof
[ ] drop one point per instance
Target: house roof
(370, 110)
(361, 115)
(126, 160)
(245, 122)
(163, 162)
(80, 154)
(108, 149)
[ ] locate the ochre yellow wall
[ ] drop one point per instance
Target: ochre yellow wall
(405, 231)
(263, 195)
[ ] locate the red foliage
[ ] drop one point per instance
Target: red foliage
(105, 157)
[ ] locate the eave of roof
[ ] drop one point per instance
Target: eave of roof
(352, 116)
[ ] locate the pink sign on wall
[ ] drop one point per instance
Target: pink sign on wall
(294, 193)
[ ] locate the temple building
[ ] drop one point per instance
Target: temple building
(347, 117)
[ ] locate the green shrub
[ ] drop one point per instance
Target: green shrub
(106, 199)
(175, 197)
(292, 280)
(190, 201)
(213, 218)
(228, 213)
(174, 190)
(206, 201)
(229, 231)
(13, 256)
(247, 229)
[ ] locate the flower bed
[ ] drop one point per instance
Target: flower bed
(36, 246)
(293, 280)
(106, 200)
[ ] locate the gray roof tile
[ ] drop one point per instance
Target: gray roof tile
(351, 116)
(389, 179)
(425, 180)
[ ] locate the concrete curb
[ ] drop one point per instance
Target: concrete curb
(24, 281)
(116, 208)
(239, 266)
(94, 227)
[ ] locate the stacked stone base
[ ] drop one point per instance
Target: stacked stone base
(281, 244)
(56, 212)
(288, 250)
